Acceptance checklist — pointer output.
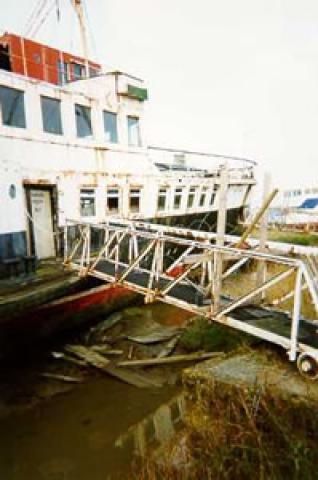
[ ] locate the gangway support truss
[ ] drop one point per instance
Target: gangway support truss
(177, 267)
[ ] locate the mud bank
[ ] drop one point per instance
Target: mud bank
(249, 415)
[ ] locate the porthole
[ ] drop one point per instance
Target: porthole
(12, 191)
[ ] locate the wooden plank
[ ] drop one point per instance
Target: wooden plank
(156, 336)
(105, 350)
(220, 240)
(192, 357)
(103, 364)
(169, 347)
(257, 217)
(262, 266)
(133, 378)
(90, 357)
(68, 358)
(62, 378)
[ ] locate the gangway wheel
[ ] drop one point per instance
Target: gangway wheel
(307, 366)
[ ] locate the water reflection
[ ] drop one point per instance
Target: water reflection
(155, 429)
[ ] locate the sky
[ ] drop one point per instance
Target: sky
(237, 77)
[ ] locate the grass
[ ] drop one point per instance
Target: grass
(241, 433)
(297, 238)
(201, 335)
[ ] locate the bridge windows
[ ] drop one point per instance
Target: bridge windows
(134, 200)
(134, 139)
(83, 121)
(12, 107)
(203, 196)
(51, 115)
(191, 197)
(110, 126)
(112, 200)
(87, 202)
(177, 198)
(63, 72)
(162, 199)
(78, 71)
(213, 194)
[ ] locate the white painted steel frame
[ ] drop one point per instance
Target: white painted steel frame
(156, 241)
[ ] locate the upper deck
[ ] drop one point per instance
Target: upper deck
(42, 62)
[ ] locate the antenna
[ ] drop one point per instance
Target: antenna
(78, 7)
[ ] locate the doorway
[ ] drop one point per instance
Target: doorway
(40, 221)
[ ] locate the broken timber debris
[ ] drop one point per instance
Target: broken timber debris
(102, 327)
(68, 358)
(100, 362)
(165, 361)
(105, 350)
(63, 378)
(156, 336)
(169, 347)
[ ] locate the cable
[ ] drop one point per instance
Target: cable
(36, 14)
(90, 30)
(44, 17)
(33, 15)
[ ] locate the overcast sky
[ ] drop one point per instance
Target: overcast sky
(236, 77)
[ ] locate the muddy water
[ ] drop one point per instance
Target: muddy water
(78, 435)
(74, 436)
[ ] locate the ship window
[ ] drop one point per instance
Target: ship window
(12, 107)
(203, 196)
(51, 115)
(5, 61)
(93, 72)
(134, 200)
(87, 202)
(133, 132)
(112, 200)
(191, 197)
(83, 121)
(110, 126)
(177, 198)
(78, 71)
(62, 72)
(213, 194)
(162, 198)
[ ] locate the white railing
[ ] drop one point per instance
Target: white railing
(182, 269)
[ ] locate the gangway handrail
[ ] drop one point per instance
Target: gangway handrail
(184, 232)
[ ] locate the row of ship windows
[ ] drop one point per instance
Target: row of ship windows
(297, 193)
(13, 115)
(114, 199)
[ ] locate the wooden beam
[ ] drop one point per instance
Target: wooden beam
(258, 216)
(168, 360)
(220, 238)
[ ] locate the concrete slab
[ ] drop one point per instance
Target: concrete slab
(251, 370)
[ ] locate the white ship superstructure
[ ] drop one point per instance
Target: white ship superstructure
(78, 151)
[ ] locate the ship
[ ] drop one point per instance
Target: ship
(296, 209)
(72, 146)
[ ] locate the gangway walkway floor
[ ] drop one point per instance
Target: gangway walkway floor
(272, 320)
(181, 291)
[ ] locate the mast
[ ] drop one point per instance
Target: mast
(78, 6)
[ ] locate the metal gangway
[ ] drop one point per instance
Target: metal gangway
(224, 284)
